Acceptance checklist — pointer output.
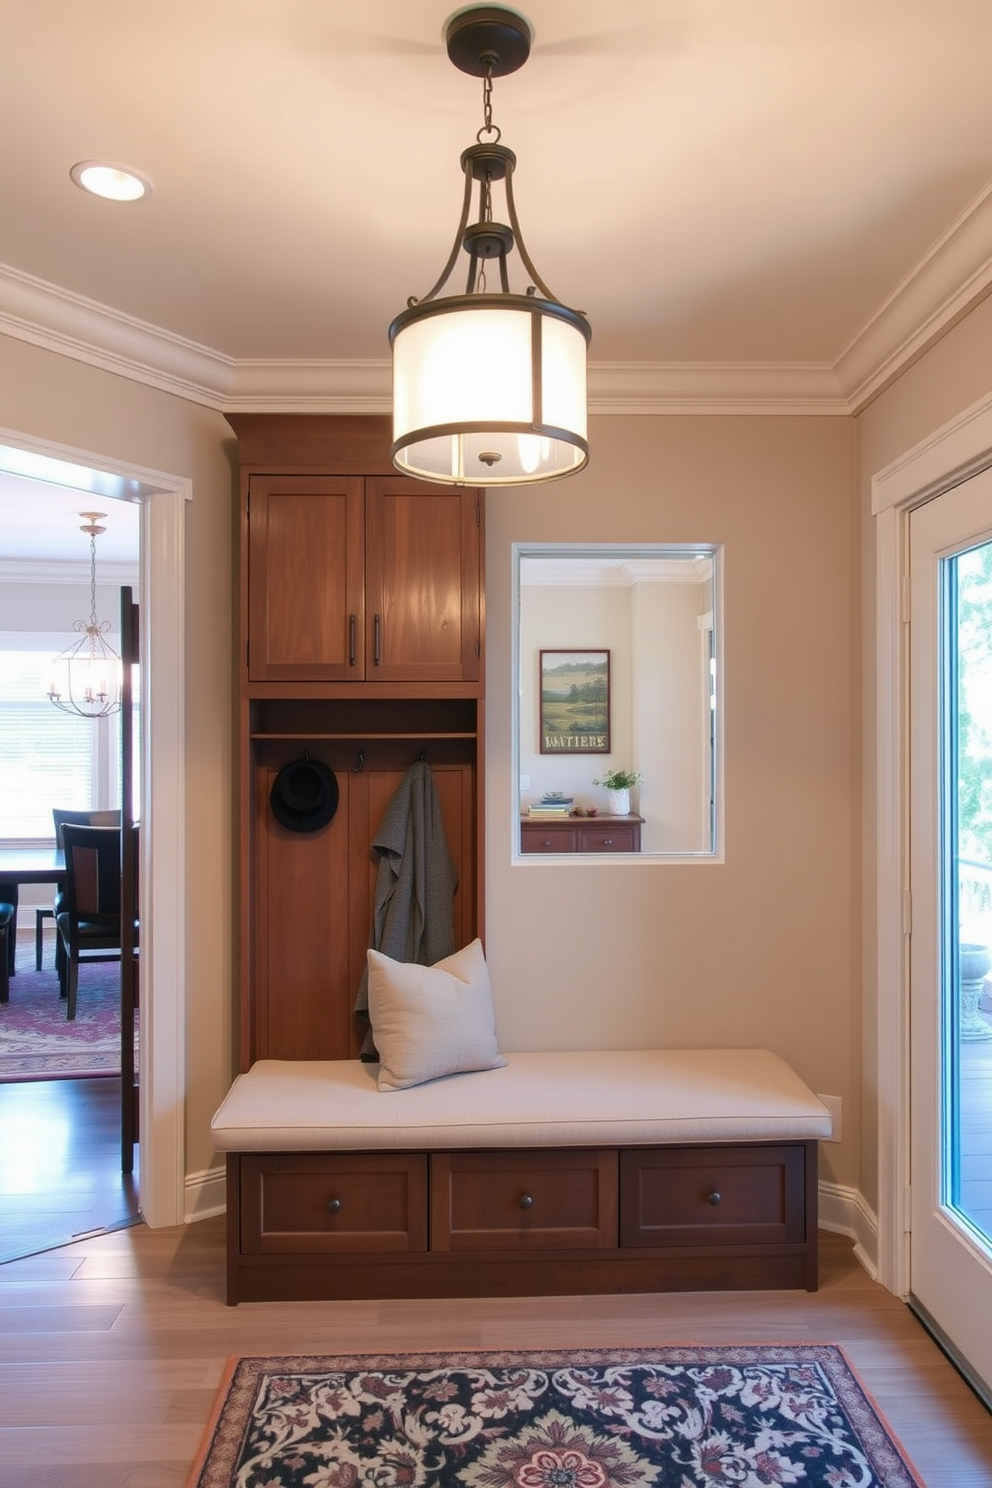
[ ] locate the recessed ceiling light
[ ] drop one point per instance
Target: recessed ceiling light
(110, 181)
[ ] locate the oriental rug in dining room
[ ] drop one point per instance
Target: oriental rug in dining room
(739, 1416)
(37, 1041)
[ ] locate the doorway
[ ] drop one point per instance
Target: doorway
(950, 860)
(162, 499)
(947, 458)
(67, 1155)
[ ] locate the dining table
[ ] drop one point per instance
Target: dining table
(29, 865)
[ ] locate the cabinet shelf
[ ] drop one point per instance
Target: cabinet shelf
(397, 734)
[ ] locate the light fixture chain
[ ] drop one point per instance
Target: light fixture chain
(488, 127)
(93, 619)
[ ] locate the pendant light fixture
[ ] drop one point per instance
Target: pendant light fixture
(86, 676)
(489, 386)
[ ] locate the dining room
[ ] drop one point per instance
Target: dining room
(68, 763)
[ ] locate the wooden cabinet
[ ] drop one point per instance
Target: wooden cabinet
(521, 1221)
(362, 579)
(300, 1203)
(528, 1200)
(717, 1195)
(581, 834)
(360, 643)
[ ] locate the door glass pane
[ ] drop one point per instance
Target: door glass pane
(966, 952)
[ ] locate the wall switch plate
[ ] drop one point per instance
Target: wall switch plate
(832, 1103)
(525, 782)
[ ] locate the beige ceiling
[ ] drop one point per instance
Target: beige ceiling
(781, 199)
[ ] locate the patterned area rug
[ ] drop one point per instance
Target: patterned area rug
(37, 1042)
(727, 1417)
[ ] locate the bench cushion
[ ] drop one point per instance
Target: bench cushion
(577, 1099)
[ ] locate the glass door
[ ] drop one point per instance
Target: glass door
(951, 920)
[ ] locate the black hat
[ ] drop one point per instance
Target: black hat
(304, 795)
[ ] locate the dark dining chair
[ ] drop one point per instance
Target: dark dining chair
(8, 896)
(89, 924)
(78, 819)
(7, 913)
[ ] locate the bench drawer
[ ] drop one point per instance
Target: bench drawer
(333, 1202)
(524, 1200)
(731, 1195)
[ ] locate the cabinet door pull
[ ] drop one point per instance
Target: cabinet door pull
(334, 1206)
(352, 640)
(377, 647)
(713, 1198)
(546, 842)
(526, 1202)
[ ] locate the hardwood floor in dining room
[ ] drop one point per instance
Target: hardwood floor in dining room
(60, 1163)
(112, 1351)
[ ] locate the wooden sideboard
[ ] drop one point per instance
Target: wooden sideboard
(581, 834)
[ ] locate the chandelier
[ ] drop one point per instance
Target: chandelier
(489, 386)
(86, 677)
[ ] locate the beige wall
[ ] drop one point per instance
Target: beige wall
(671, 691)
(955, 373)
(52, 398)
(569, 618)
(760, 950)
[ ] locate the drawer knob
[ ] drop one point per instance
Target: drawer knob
(607, 841)
(334, 1206)
(713, 1198)
(526, 1202)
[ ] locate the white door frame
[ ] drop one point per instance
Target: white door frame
(952, 454)
(162, 1006)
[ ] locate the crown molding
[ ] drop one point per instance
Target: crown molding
(57, 320)
(614, 388)
(949, 280)
(714, 388)
(954, 274)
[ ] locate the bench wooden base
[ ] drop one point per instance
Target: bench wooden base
(519, 1222)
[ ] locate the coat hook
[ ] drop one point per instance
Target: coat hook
(360, 762)
(423, 755)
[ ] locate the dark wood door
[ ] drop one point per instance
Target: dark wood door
(306, 561)
(423, 619)
(129, 884)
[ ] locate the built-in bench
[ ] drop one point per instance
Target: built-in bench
(645, 1170)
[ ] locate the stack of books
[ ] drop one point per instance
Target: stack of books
(551, 807)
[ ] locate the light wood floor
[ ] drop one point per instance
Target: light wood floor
(60, 1163)
(112, 1349)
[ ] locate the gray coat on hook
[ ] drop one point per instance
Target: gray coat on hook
(413, 916)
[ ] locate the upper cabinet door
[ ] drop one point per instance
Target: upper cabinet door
(306, 563)
(423, 607)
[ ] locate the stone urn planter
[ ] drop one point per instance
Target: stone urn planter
(975, 962)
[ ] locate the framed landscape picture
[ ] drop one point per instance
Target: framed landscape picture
(574, 707)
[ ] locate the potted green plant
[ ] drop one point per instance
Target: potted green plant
(618, 783)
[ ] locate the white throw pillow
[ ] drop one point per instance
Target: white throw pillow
(430, 1021)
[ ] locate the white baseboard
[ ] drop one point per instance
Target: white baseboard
(844, 1211)
(206, 1194)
